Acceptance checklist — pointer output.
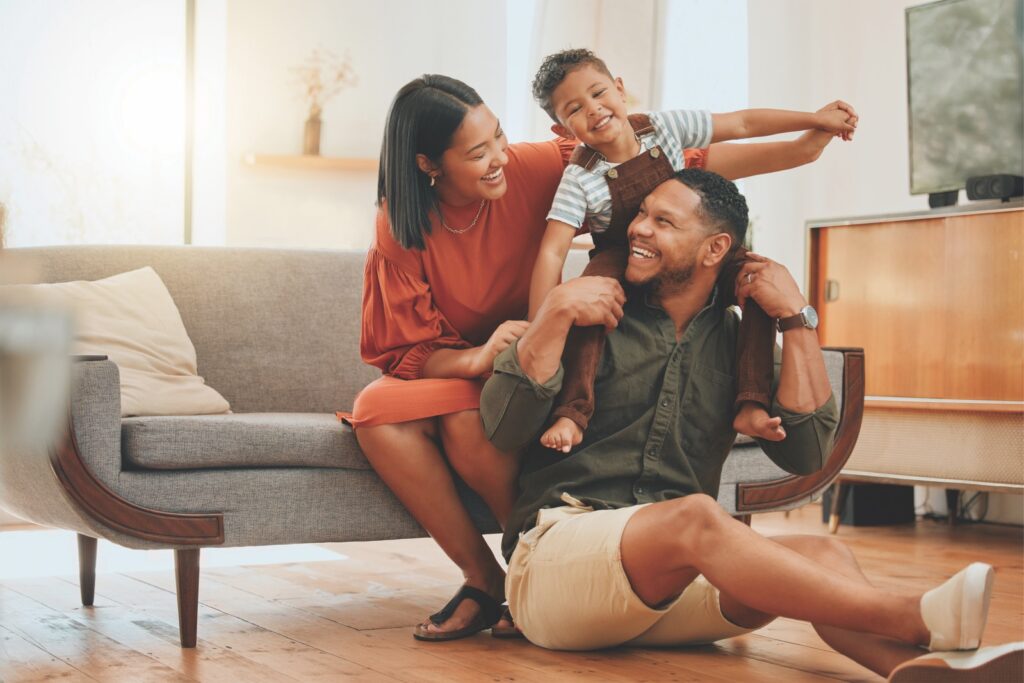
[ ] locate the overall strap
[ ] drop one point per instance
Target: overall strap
(587, 157)
(641, 124)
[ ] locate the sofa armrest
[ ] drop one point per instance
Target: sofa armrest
(87, 462)
(777, 493)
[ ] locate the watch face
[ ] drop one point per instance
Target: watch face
(811, 316)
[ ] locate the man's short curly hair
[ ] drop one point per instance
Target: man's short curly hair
(555, 68)
(722, 207)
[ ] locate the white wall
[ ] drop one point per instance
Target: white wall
(390, 42)
(804, 54)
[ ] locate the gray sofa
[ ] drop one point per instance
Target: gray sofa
(276, 332)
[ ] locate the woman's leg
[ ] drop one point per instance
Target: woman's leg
(491, 473)
(407, 456)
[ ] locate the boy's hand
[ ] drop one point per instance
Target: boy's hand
(835, 121)
(854, 118)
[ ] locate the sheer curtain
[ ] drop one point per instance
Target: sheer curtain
(92, 121)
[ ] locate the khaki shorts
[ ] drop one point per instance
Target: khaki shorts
(567, 589)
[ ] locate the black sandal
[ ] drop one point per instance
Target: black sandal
(490, 612)
(506, 631)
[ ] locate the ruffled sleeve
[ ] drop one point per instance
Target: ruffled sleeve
(696, 158)
(401, 327)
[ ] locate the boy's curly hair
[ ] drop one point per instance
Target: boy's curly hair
(722, 207)
(555, 68)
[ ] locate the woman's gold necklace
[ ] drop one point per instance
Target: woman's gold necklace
(459, 231)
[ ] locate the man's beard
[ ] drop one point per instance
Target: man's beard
(673, 280)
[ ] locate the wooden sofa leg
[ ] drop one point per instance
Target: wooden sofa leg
(87, 568)
(839, 493)
(186, 571)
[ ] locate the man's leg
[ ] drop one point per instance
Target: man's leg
(666, 545)
(876, 653)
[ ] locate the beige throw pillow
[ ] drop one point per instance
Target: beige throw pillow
(132, 318)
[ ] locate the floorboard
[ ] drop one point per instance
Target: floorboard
(350, 618)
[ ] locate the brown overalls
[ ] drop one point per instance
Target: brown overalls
(629, 183)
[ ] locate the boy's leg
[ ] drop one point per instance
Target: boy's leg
(755, 345)
(584, 346)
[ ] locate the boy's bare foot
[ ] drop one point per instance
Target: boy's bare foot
(562, 435)
(753, 420)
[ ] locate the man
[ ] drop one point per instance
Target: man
(619, 542)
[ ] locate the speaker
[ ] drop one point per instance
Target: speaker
(872, 505)
(1002, 186)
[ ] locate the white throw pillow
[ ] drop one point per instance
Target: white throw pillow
(132, 319)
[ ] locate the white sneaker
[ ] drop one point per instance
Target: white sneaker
(955, 612)
(997, 664)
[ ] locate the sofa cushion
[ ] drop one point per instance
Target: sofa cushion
(248, 440)
(132, 318)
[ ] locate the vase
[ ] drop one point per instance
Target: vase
(311, 140)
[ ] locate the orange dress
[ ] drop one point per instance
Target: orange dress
(454, 293)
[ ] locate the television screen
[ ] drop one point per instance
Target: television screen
(965, 73)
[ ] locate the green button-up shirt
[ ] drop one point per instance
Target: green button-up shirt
(662, 425)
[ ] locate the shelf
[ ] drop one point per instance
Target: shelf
(311, 162)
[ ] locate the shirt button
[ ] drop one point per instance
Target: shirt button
(613, 174)
(639, 489)
(664, 403)
(655, 152)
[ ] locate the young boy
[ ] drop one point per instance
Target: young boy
(621, 160)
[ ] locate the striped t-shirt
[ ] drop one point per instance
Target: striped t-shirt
(584, 195)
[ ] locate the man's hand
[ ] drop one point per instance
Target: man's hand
(589, 300)
(770, 285)
(583, 301)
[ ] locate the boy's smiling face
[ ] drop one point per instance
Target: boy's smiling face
(591, 107)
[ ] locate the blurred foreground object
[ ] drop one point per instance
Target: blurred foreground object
(35, 344)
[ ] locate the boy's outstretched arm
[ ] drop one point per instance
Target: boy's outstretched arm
(754, 123)
(547, 270)
(742, 161)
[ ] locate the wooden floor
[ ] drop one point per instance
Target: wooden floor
(350, 619)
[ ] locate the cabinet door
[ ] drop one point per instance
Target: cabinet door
(937, 304)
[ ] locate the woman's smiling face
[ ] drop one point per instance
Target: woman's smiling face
(472, 168)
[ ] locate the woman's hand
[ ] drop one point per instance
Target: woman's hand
(501, 339)
(836, 121)
(843, 106)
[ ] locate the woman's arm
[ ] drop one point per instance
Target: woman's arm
(547, 270)
(476, 361)
(735, 161)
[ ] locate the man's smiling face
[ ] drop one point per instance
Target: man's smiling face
(666, 236)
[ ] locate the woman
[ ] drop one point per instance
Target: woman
(460, 220)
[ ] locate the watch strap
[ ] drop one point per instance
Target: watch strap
(792, 322)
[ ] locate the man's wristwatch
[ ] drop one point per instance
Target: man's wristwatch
(807, 317)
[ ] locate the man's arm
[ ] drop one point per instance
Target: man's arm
(803, 394)
(528, 375)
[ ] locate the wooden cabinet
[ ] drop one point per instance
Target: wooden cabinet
(937, 302)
